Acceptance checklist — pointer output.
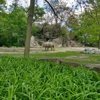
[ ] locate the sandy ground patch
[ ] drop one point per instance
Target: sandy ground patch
(41, 49)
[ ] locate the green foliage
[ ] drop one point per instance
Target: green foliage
(89, 23)
(38, 13)
(13, 25)
(72, 21)
(63, 32)
(27, 79)
(2, 2)
(2, 5)
(35, 29)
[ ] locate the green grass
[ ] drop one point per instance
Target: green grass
(70, 56)
(27, 79)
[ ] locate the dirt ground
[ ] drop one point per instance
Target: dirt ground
(5, 50)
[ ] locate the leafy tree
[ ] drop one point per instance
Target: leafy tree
(38, 13)
(2, 3)
(2, 7)
(13, 25)
(89, 23)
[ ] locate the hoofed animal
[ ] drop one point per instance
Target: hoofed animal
(48, 45)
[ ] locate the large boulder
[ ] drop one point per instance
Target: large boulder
(57, 41)
(33, 42)
(91, 51)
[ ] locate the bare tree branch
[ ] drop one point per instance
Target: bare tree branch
(52, 8)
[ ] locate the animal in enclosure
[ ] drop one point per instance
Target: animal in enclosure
(48, 45)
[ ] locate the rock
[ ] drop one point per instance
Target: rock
(73, 44)
(95, 67)
(92, 51)
(57, 41)
(33, 42)
(89, 51)
(97, 51)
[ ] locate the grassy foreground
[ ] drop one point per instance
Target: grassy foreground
(27, 79)
(70, 56)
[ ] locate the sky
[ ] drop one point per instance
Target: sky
(24, 2)
(40, 2)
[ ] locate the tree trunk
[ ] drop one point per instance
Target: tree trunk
(29, 28)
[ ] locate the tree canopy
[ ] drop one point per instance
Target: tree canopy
(89, 22)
